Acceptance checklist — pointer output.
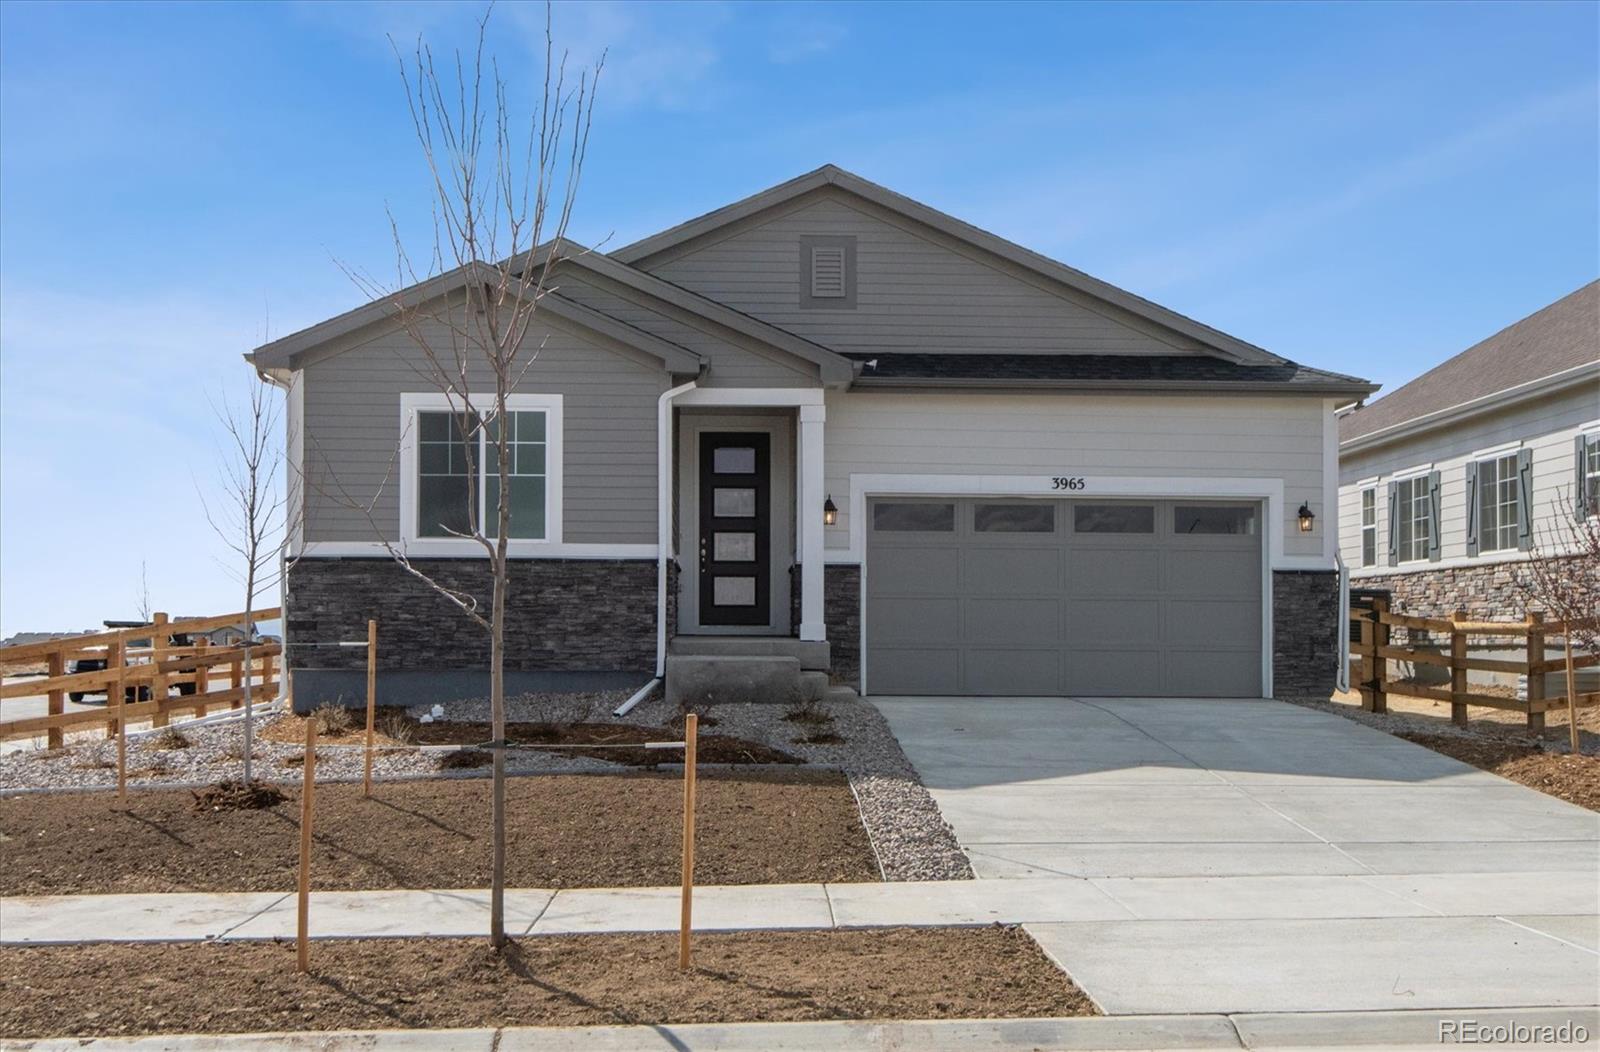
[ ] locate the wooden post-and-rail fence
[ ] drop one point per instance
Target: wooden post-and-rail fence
(1373, 648)
(142, 673)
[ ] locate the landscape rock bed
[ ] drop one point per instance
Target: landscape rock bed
(909, 836)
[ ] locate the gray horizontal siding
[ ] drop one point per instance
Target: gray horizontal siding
(728, 365)
(913, 294)
(352, 430)
(1181, 437)
(1545, 426)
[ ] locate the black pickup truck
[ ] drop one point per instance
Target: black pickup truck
(130, 694)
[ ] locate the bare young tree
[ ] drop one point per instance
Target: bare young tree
(1562, 575)
(143, 595)
(251, 516)
(504, 180)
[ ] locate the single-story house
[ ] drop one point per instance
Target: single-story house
(1447, 483)
(828, 424)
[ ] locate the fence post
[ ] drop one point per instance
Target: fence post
(1380, 640)
(56, 665)
(122, 737)
(1535, 663)
(309, 786)
(1364, 649)
(114, 662)
(691, 733)
(1458, 670)
(159, 641)
(202, 675)
(236, 682)
(372, 701)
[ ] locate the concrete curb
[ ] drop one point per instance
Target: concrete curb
(1258, 1032)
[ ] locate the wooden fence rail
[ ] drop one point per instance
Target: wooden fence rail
(147, 664)
(1373, 649)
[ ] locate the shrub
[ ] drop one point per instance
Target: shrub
(332, 719)
(171, 738)
(397, 728)
(809, 711)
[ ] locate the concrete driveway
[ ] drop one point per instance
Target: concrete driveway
(1265, 857)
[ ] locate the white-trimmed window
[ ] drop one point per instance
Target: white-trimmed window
(450, 475)
(1499, 503)
(1589, 473)
(1412, 511)
(1369, 526)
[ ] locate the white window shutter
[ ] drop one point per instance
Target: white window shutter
(827, 272)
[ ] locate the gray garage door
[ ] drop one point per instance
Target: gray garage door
(1095, 598)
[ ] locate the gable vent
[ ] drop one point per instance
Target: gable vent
(827, 272)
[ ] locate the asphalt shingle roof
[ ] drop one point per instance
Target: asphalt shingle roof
(1094, 368)
(1562, 336)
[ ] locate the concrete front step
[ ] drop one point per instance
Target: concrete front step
(813, 656)
(714, 679)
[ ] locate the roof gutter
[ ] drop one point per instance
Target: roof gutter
(664, 513)
(1502, 399)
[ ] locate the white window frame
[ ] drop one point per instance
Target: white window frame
(1489, 538)
(1401, 557)
(1368, 528)
(411, 404)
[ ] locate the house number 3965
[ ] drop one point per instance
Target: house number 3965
(1067, 482)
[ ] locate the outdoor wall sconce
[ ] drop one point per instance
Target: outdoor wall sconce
(830, 513)
(1306, 518)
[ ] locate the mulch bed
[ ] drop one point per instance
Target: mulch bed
(710, 748)
(902, 973)
(765, 826)
(1575, 779)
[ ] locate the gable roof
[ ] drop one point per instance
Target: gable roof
(640, 252)
(1544, 348)
(834, 368)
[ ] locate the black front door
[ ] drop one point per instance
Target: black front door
(735, 528)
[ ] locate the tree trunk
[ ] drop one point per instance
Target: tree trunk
(497, 715)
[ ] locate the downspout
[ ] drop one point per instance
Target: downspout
(664, 514)
(1342, 680)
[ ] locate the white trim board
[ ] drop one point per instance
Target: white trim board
(377, 550)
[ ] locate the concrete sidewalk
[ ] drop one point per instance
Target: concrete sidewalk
(1566, 903)
(1421, 1030)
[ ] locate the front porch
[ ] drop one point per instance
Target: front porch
(745, 539)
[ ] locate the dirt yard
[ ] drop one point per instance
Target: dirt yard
(754, 827)
(117, 989)
(1575, 779)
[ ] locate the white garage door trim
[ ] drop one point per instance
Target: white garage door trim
(1268, 491)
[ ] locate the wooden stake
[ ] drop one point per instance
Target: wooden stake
(691, 731)
(122, 739)
(302, 927)
(1572, 695)
(372, 701)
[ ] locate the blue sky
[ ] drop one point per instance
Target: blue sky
(1363, 187)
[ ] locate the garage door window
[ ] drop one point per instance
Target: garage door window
(914, 518)
(1114, 518)
(1215, 519)
(1014, 518)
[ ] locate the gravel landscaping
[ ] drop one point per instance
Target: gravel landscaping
(908, 836)
(195, 988)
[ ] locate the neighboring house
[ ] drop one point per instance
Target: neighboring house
(831, 424)
(1446, 483)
